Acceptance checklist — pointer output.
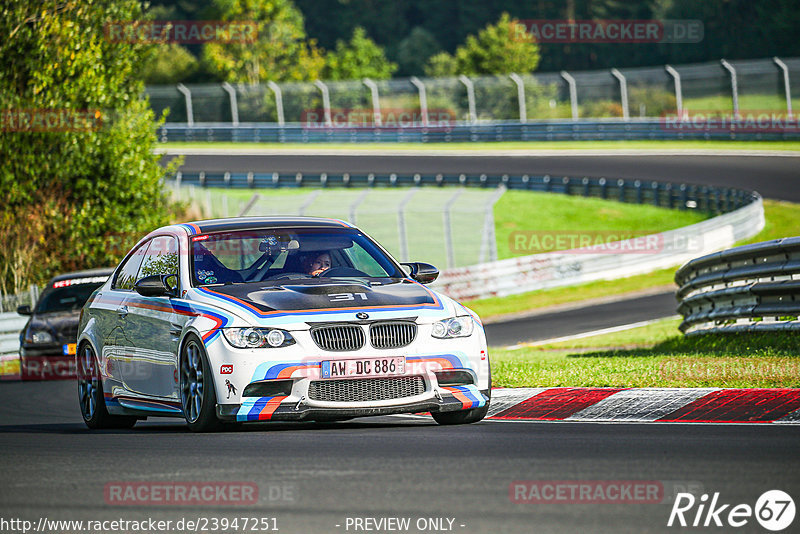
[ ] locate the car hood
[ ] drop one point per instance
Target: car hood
(340, 297)
(64, 325)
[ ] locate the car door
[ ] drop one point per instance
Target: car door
(111, 312)
(153, 327)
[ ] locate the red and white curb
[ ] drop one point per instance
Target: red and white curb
(647, 405)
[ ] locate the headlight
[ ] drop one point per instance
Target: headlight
(254, 338)
(453, 327)
(41, 336)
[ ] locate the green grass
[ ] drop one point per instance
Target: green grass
(656, 355)
(526, 218)
(782, 220)
(503, 145)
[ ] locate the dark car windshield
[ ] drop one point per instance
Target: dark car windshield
(281, 255)
(65, 298)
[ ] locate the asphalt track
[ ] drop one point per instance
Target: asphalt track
(313, 477)
(773, 177)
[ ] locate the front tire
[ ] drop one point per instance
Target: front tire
(90, 394)
(198, 394)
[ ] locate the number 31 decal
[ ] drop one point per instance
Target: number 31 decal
(340, 297)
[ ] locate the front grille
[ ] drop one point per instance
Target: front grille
(338, 337)
(392, 335)
(366, 389)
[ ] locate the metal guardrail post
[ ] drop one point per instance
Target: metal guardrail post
(523, 112)
(573, 93)
(448, 229)
(734, 85)
(187, 95)
(278, 100)
(678, 90)
(423, 99)
(787, 88)
(473, 116)
(376, 101)
(234, 104)
(623, 92)
(326, 101)
(401, 223)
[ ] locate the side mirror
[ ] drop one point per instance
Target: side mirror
(157, 285)
(24, 310)
(424, 273)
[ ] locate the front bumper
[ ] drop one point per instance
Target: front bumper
(286, 409)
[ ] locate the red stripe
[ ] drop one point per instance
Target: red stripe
(557, 403)
(269, 408)
(738, 406)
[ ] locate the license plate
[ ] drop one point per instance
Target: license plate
(69, 349)
(370, 367)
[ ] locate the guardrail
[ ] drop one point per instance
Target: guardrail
(10, 325)
(553, 130)
(748, 288)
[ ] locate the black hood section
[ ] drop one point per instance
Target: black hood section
(64, 325)
(328, 295)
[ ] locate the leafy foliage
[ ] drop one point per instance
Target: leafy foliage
(358, 58)
(497, 49)
(74, 194)
(281, 52)
(170, 64)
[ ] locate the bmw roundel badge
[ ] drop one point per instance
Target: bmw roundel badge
(363, 316)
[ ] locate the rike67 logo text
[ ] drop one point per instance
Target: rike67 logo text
(774, 510)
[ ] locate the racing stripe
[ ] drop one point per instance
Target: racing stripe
(469, 396)
(258, 408)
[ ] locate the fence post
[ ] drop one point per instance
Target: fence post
(488, 239)
(278, 101)
(734, 86)
(448, 229)
(401, 223)
(678, 90)
(187, 95)
(326, 101)
(787, 88)
(423, 99)
(573, 93)
(473, 117)
(623, 92)
(356, 203)
(376, 102)
(234, 105)
(523, 112)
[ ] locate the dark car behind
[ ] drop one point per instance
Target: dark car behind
(47, 342)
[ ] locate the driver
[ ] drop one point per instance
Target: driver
(319, 264)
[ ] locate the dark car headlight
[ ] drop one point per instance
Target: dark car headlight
(254, 338)
(460, 326)
(39, 337)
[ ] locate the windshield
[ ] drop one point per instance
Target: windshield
(280, 255)
(65, 298)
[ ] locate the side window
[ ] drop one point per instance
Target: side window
(126, 276)
(161, 257)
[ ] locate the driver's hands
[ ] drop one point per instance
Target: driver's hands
(317, 272)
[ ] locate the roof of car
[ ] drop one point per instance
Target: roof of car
(249, 223)
(89, 273)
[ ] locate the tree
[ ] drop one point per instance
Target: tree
(356, 59)
(441, 64)
(281, 51)
(497, 49)
(77, 147)
(413, 51)
(169, 65)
